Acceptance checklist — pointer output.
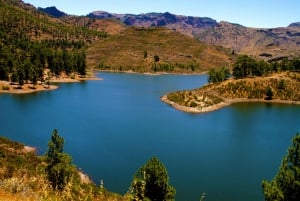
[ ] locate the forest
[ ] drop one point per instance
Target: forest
(31, 42)
(246, 66)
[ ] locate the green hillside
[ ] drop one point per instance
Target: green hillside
(155, 50)
(32, 43)
(21, 20)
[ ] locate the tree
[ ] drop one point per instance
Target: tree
(286, 184)
(156, 58)
(145, 54)
(218, 75)
(59, 168)
(244, 66)
(151, 181)
(269, 94)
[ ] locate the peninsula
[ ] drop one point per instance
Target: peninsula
(276, 88)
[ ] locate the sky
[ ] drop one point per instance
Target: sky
(250, 13)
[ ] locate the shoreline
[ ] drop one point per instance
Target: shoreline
(151, 73)
(9, 88)
(221, 105)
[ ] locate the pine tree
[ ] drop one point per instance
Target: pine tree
(152, 181)
(59, 168)
(286, 184)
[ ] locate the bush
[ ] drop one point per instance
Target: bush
(5, 87)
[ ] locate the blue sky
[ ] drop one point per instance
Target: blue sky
(251, 13)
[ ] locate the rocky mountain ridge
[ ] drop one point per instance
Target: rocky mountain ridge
(262, 43)
(184, 24)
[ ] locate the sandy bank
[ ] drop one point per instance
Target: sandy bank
(218, 106)
(7, 87)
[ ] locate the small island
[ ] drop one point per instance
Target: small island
(251, 81)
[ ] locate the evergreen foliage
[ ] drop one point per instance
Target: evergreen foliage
(59, 164)
(151, 181)
(31, 42)
(218, 75)
(246, 66)
(269, 94)
(286, 184)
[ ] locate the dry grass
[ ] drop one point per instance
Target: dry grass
(22, 177)
(125, 51)
(285, 88)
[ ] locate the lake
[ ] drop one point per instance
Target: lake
(112, 127)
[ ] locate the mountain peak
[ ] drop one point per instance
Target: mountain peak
(53, 11)
(295, 24)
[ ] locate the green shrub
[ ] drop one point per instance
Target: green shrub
(193, 104)
(5, 87)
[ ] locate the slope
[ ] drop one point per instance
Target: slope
(22, 177)
(267, 44)
(156, 49)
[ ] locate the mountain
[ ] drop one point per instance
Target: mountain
(156, 50)
(110, 26)
(53, 11)
(32, 32)
(295, 24)
(184, 24)
(267, 44)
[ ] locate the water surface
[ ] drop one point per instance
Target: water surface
(112, 127)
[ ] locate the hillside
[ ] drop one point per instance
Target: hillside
(177, 53)
(136, 48)
(22, 177)
(34, 48)
(267, 44)
(284, 87)
(184, 24)
(23, 20)
(112, 27)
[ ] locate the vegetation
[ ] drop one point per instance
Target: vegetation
(59, 168)
(166, 51)
(246, 66)
(218, 75)
(286, 184)
(26, 176)
(252, 80)
(152, 182)
(31, 42)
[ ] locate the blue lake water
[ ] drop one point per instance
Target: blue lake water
(112, 127)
